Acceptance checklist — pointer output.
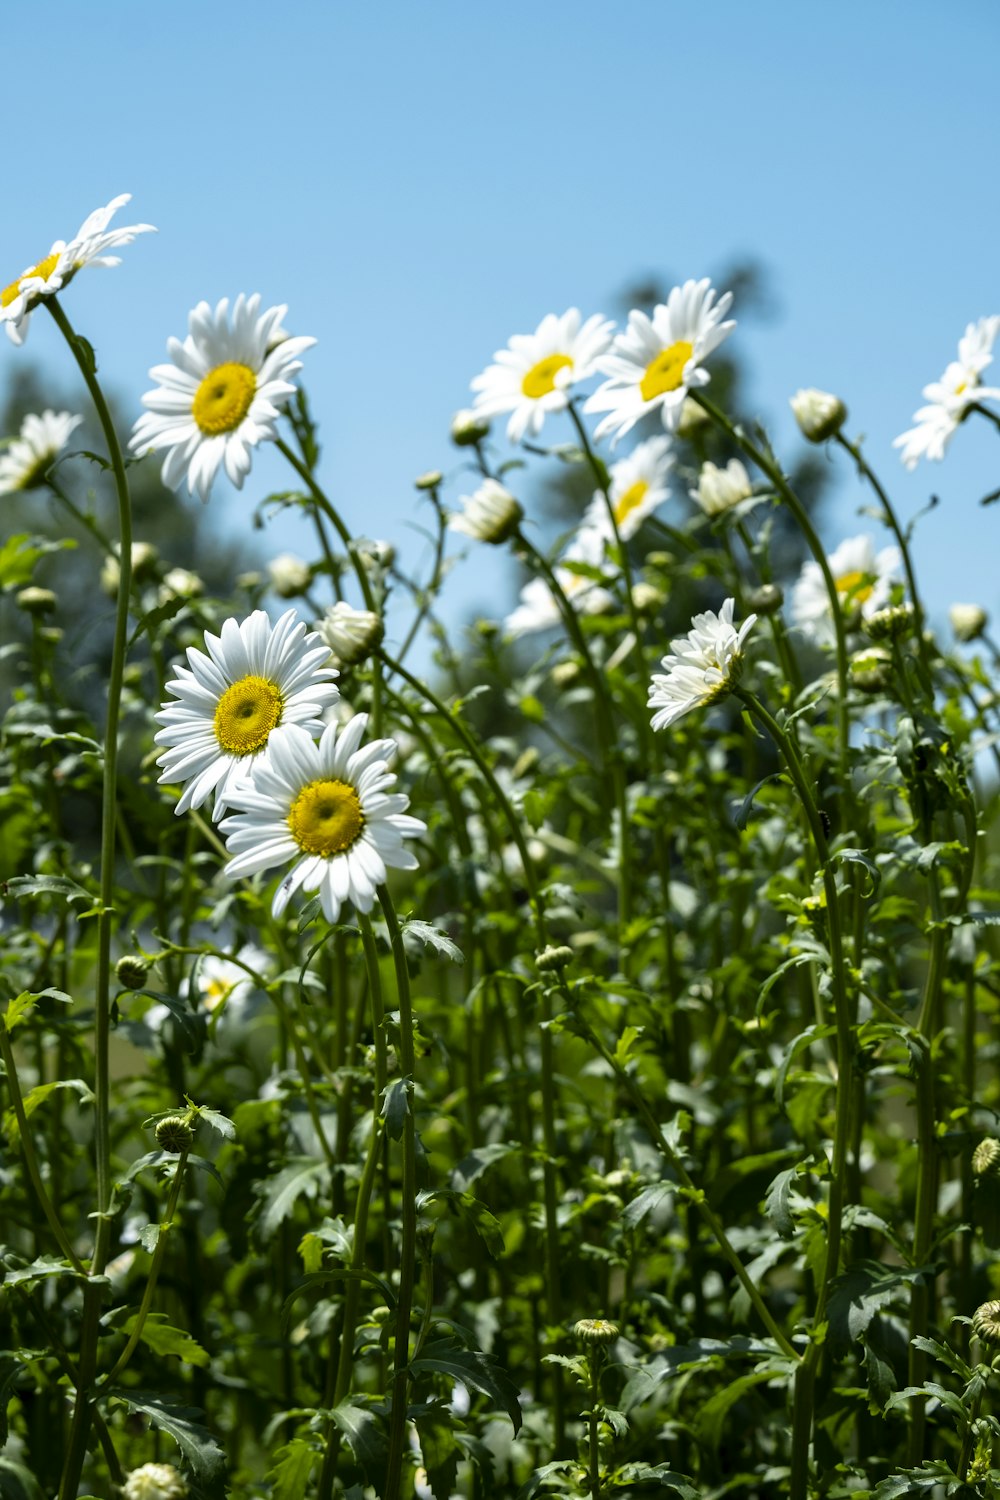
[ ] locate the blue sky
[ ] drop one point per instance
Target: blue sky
(420, 181)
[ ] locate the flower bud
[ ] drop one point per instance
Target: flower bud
(596, 1331)
(155, 1482)
(565, 673)
(351, 634)
(986, 1158)
(553, 958)
(818, 414)
(132, 971)
(871, 670)
(968, 621)
(490, 515)
(647, 598)
(429, 481)
(289, 575)
(376, 556)
(468, 428)
(36, 601)
(250, 580)
(986, 1323)
(718, 490)
(766, 600)
(174, 1133)
(180, 582)
(890, 623)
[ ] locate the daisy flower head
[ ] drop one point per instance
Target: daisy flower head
(155, 1482)
(255, 678)
(222, 985)
(532, 376)
(639, 483)
(221, 394)
(24, 462)
(88, 247)
(490, 515)
(703, 666)
(327, 805)
(863, 577)
(950, 398)
(538, 609)
(719, 490)
(657, 360)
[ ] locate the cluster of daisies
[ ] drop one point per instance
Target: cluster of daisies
(247, 730)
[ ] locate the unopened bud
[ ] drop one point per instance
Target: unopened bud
(553, 958)
(968, 621)
(468, 428)
(36, 601)
(351, 634)
(132, 971)
(174, 1134)
(890, 623)
(565, 673)
(596, 1331)
(490, 515)
(290, 576)
(647, 598)
(818, 414)
(429, 481)
(871, 670)
(766, 600)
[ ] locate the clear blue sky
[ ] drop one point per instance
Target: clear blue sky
(420, 180)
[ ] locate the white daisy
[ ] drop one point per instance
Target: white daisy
(491, 514)
(657, 360)
(639, 483)
(863, 580)
(327, 806)
(718, 490)
(538, 609)
(221, 395)
(255, 677)
(41, 440)
(533, 374)
(951, 396)
(57, 269)
(703, 668)
(220, 984)
(155, 1482)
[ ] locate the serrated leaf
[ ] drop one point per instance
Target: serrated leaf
(472, 1167)
(45, 885)
(218, 1122)
(21, 1006)
(202, 1453)
(10, 1369)
(433, 937)
(396, 1106)
(148, 1236)
(303, 1176)
(472, 1368)
(158, 1335)
(367, 1440)
(158, 616)
(37, 1096)
(474, 1212)
(776, 1203)
(857, 1295)
(39, 1270)
(647, 1201)
(290, 1475)
(311, 1251)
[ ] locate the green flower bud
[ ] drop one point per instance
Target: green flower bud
(596, 1331)
(553, 958)
(174, 1134)
(36, 601)
(132, 971)
(986, 1323)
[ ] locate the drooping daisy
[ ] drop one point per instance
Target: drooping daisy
(951, 396)
(532, 376)
(863, 578)
(703, 667)
(639, 483)
(657, 360)
(255, 678)
(221, 983)
(719, 490)
(490, 515)
(41, 440)
(538, 609)
(327, 806)
(88, 247)
(221, 395)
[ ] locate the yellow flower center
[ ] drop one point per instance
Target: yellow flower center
(223, 398)
(631, 500)
(541, 378)
(246, 713)
(215, 991)
(326, 817)
(855, 587)
(666, 371)
(44, 269)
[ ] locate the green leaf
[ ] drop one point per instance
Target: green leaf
(290, 1476)
(367, 1440)
(474, 1212)
(218, 1122)
(472, 1368)
(17, 1483)
(203, 1454)
(20, 1008)
(776, 1203)
(158, 1335)
(647, 1201)
(472, 1167)
(20, 553)
(878, 1365)
(857, 1295)
(39, 1270)
(743, 816)
(303, 1176)
(433, 937)
(158, 616)
(396, 1106)
(859, 857)
(311, 1251)
(38, 1095)
(45, 885)
(440, 1452)
(10, 1369)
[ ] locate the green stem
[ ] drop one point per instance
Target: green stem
(30, 1159)
(166, 1224)
(90, 1329)
(777, 478)
(408, 1207)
